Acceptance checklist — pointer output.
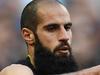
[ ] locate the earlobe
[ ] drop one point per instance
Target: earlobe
(28, 36)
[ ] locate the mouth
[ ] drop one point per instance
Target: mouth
(63, 51)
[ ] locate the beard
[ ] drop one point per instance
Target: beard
(47, 63)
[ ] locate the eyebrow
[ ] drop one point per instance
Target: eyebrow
(53, 24)
(69, 24)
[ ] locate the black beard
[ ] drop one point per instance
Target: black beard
(47, 63)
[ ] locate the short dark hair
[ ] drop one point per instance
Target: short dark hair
(29, 17)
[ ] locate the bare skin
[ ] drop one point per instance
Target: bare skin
(17, 69)
(90, 71)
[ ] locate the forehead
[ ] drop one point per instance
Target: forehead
(53, 12)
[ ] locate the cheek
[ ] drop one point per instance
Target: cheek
(70, 37)
(48, 40)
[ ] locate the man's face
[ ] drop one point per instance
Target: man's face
(53, 39)
(54, 30)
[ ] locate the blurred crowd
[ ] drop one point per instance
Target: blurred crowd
(86, 37)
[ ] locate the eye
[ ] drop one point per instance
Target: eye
(68, 26)
(52, 27)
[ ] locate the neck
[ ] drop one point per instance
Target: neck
(31, 54)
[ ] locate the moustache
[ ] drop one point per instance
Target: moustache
(63, 47)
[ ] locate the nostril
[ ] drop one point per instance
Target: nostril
(64, 41)
(64, 36)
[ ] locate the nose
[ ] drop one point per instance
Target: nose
(64, 35)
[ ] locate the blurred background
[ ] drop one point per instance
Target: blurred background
(86, 27)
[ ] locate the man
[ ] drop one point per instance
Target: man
(48, 35)
(46, 29)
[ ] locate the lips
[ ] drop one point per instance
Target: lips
(63, 51)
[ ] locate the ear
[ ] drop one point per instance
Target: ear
(28, 36)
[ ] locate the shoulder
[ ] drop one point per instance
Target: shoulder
(16, 69)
